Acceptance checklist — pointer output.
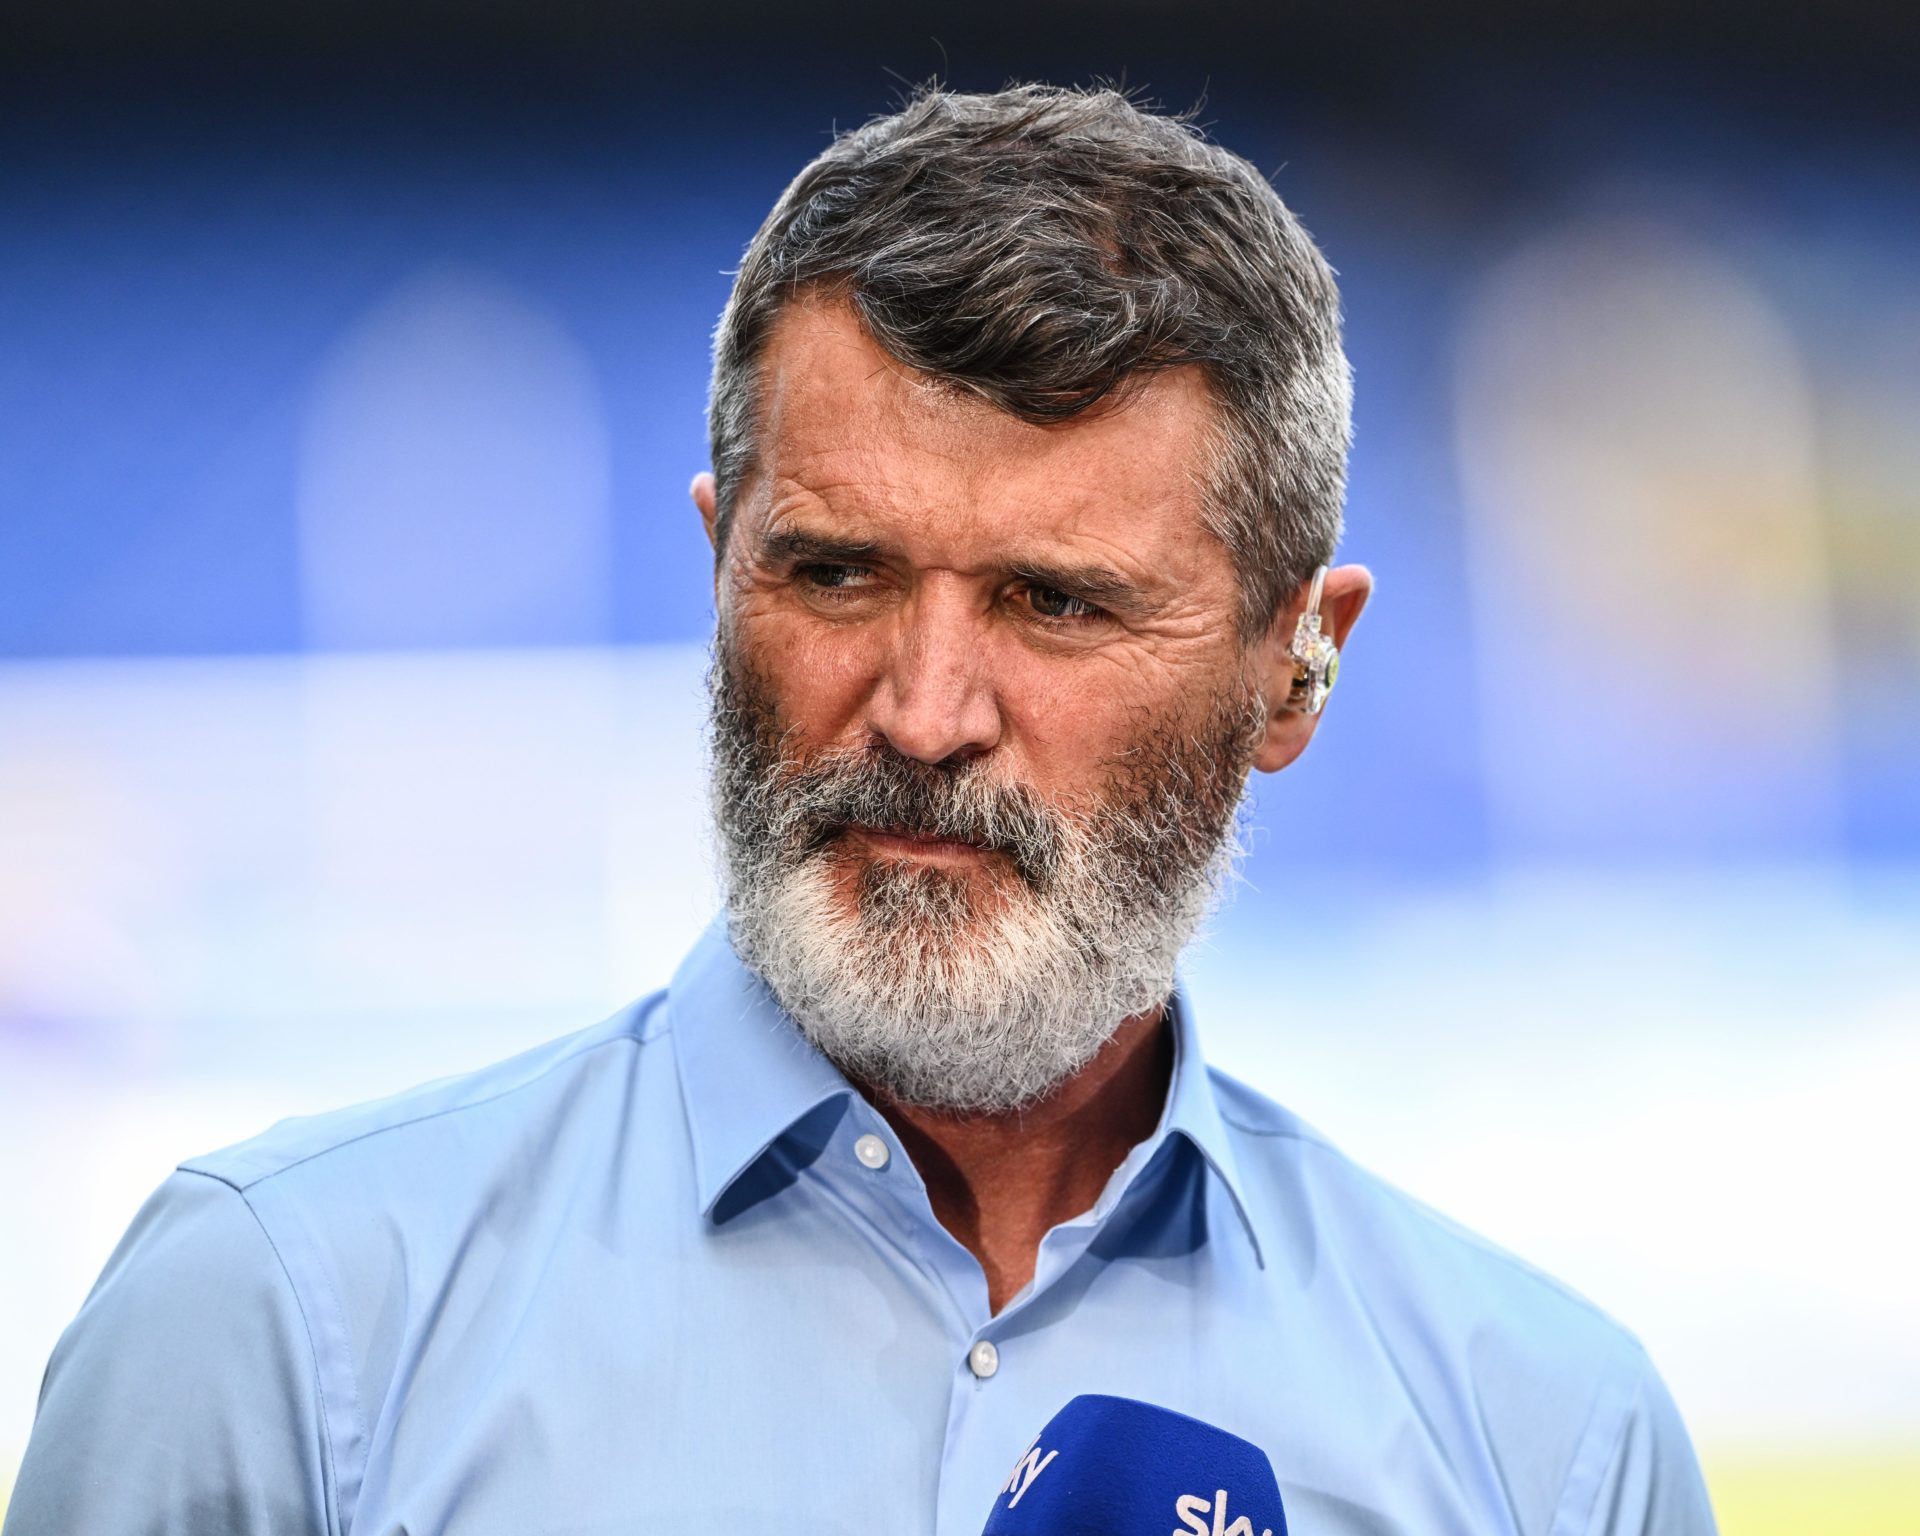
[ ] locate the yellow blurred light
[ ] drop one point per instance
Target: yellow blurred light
(1871, 1491)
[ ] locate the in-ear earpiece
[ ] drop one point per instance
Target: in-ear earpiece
(1316, 660)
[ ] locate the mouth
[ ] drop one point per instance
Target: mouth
(898, 841)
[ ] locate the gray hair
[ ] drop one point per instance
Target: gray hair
(1043, 246)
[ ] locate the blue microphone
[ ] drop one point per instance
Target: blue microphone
(1111, 1466)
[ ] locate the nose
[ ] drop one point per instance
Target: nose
(935, 698)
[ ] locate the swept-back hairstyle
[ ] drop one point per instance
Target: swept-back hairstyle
(1041, 246)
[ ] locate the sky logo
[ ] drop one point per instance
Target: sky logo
(1030, 1465)
(1190, 1507)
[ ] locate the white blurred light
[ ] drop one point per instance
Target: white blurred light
(454, 472)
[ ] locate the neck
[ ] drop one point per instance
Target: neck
(999, 1183)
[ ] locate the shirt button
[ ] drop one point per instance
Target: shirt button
(872, 1152)
(983, 1359)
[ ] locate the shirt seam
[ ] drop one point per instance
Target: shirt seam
(1289, 1133)
(1580, 1467)
(192, 1165)
(331, 1512)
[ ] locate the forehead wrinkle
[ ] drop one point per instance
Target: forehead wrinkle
(843, 511)
(886, 452)
(846, 394)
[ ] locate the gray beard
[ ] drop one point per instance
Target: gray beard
(973, 991)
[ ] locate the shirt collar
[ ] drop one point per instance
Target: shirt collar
(746, 1072)
(1193, 1111)
(748, 1075)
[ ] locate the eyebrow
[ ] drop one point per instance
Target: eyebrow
(1094, 583)
(779, 545)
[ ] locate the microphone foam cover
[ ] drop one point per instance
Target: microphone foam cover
(1112, 1466)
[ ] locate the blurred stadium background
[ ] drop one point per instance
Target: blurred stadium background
(352, 613)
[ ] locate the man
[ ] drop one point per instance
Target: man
(1029, 420)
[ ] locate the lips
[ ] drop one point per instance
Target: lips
(918, 840)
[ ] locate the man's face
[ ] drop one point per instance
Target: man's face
(981, 716)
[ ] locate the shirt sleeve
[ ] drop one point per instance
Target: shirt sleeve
(1652, 1484)
(183, 1397)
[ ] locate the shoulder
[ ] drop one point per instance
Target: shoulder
(194, 1246)
(1560, 1396)
(381, 1206)
(471, 1110)
(1388, 1240)
(186, 1384)
(228, 1353)
(351, 1229)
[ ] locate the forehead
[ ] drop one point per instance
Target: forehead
(846, 428)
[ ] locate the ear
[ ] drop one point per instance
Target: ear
(702, 491)
(1290, 729)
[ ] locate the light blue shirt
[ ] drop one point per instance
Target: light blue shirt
(673, 1274)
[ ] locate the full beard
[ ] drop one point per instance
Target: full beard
(976, 990)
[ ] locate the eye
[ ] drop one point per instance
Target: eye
(831, 577)
(1062, 607)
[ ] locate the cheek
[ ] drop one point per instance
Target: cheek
(820, 677)
(1068, 721)
(1077, 725)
